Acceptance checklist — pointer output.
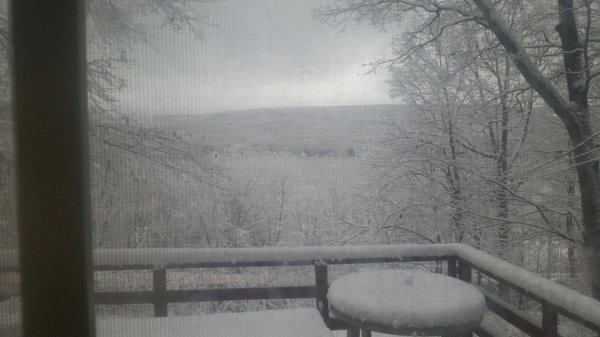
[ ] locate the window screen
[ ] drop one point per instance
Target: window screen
(239, 149)
(9, 278)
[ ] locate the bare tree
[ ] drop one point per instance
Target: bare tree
(576, 45)
(421, 171)
(114, 28)
(461, 142)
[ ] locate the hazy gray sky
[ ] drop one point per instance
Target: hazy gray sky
(257, 53)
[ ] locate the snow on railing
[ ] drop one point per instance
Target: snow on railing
(581, 308)
(461, 258)
(266, 256)
(148, 258)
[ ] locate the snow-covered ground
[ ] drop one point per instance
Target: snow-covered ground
(276, 323)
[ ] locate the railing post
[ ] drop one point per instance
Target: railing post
(549, 321)
(159, 287)
(322, 286)
(464, 271)
(452, 271)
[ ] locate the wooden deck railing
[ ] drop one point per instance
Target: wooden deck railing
(460, 261)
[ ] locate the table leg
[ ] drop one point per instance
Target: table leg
(365, 333)
(352, 332)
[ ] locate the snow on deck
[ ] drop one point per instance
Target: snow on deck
(269, 323)
(407, 299)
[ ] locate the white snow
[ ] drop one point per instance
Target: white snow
(407, 299)
(269, 323)
(572, 301)
(159, 257)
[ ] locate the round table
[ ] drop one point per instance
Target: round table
(406, 302)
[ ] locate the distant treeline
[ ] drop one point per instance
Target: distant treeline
(308, 150)
(325, 152)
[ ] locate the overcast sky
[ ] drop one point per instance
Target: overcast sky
(257, 54)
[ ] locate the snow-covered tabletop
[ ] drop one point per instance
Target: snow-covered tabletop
(407, 302)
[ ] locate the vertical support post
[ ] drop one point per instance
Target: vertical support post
(549, 321)
(52, 167)
(452, 271)
(365, 333)
(159, 287)
(464, 271)
(322, 287)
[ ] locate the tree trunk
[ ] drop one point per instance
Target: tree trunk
(573, 112)
(589, 184)
(570, 229)
(580, 132)
(455, 185)
(550, 257)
